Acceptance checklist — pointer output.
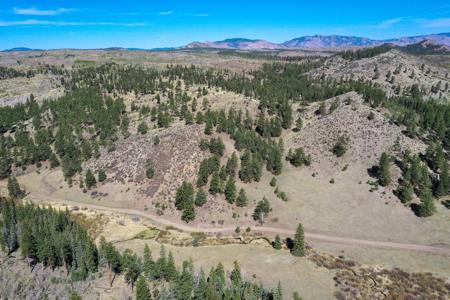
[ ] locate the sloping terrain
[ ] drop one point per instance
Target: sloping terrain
(394, 71)
(18, 90)
(338, 198)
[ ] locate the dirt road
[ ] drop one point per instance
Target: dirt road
(161, 223)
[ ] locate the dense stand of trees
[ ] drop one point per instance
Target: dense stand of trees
(366, 52)
(6, 73)
(51, 237)
(47, 236)
(185, 283)
(66, 131)
(426, 176)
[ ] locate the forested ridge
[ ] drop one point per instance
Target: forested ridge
(73, 128)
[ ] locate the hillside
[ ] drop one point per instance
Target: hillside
(331, 169)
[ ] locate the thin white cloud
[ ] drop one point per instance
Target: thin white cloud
(383, 24)
(201, 15)
(388, 23)
(65, 23)
(131, 14)
(165, 13)
(41, 12)
(434, 23)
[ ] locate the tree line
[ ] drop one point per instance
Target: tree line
(51, 237)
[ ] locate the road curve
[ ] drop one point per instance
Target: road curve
(161, 223)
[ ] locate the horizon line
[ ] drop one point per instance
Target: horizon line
(212, 41)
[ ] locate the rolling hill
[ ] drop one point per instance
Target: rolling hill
(319, 42)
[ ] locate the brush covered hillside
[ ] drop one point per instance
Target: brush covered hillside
(205, 175)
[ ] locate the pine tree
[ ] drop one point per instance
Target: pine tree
(142, 290)
(28, 243)
(298, 124)
(236, 277)
(405, 192)
(185, 282)
(384, 175)
(9, 238)
(188, 212)
(113, 260)
(443, 187)
(273, 182)
(299, 242)
(273, 161)
(160, 264)
(427, 208)
(217, 276)
(200, 198)
(90, 179)
(142, 128)
(148, 265)
(241, 200)
(262, 209)
(298, 157)
(340, 147)
(101, 175)
(201, 286)
(230, 190)
(184, 196)
(277, 242)
(278, 293)
(133, 270)
(214, 185)
(14, 190)
(54, 161)
(170, 271)
(208, 126)
(231, 165)
(203, 173)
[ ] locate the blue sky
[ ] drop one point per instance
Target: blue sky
(148, 24)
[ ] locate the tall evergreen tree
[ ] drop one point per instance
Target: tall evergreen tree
(241, 200)
(185, 282)
(148, 265)
(112, 258)
(101, 175)
(200, 198)
(277, 242)
(142, 290)
(299, 242)
(214, 185)
(384, 174)
(405, 192)
(200, 287)
(15, 192)
(262, 209)
(443, 186)
(170, 270)
(230, 190)
(427, 207)
(231, 165)
(132, 270)
(90, 180)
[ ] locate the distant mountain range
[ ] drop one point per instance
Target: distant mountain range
(20, 49)
(304, 42)
(319, 42)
